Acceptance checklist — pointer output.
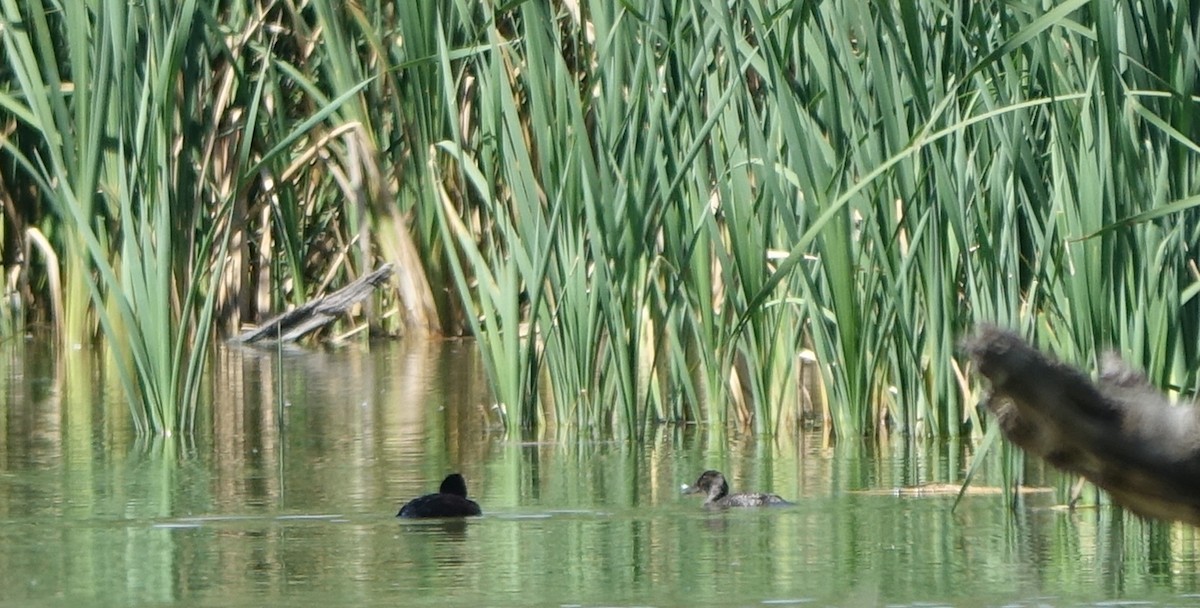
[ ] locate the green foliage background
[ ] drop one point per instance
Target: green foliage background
(666, 210)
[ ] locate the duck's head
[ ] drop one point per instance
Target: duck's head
(711, 483)
(454, 484)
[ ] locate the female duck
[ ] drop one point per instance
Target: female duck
(714, 485)
(450, 501)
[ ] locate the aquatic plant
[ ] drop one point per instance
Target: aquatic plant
(664, 212)
(689, 194)
(132, 141)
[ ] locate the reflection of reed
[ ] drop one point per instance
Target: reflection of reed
(399, 401)
(31, 411)
(437, 415)
(54, 402)
(569, 518)
(245, 429)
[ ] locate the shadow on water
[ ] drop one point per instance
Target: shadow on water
(288, 491)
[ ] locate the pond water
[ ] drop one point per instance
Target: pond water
(287, 495)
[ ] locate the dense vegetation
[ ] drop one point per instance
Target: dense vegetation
(643, 211)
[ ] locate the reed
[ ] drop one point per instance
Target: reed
(98, 165)
(112, 112)
(642, 213)
(737, 182)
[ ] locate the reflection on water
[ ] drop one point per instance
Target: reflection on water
(287, 494)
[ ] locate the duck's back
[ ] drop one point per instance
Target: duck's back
(440, 505)
(756, 499)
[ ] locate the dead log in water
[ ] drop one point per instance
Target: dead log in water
(317, 313)
(1119, 432)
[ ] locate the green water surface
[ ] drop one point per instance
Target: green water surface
(287, 495)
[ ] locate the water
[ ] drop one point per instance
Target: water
(288, 492)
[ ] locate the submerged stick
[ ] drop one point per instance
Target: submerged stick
(318, 313)
(1118, 432)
